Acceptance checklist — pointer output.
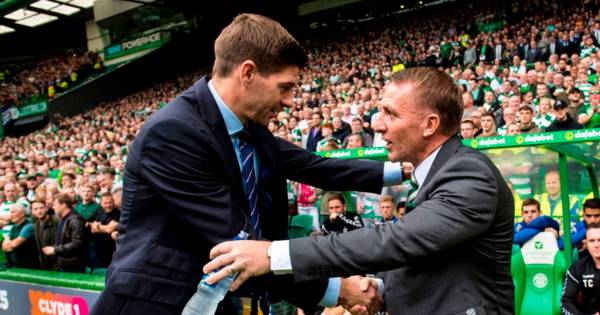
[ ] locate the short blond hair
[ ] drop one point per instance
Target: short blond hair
(386, 198)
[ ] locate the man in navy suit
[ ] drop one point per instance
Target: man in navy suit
(534, 53)
(314, 134)
(205, 167)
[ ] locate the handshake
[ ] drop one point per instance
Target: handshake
(359, 295)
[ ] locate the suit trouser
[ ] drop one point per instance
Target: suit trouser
(112, 304)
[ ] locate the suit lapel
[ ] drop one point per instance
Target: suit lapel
(209, 111)
(448, 150)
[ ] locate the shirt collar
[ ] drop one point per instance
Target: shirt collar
(232, 122)
(422, 169)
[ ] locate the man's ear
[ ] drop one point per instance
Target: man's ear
(247, 72)
(432, 124)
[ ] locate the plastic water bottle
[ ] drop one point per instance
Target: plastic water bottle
(207, 298)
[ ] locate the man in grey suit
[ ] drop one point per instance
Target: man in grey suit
(450, 254)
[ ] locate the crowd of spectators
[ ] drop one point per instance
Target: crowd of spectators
(62, 186)
(523, 67)
(46, 77)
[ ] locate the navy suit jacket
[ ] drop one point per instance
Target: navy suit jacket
(183, 194)
(313, 139)
(534, 55)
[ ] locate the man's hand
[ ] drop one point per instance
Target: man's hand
(359, 295)
(552, 230)
(360, 208)
(6, 245)
(249, 258)
(333, 216)
(48, 250)
(95, 227)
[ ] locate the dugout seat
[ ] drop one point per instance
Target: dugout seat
(538, 271)
(300, 226)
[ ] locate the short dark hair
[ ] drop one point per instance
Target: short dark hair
(488, 114)
(435, 89)
(359, 135)
(592, 203)
(526, 108)
(38, 201)
(65, 199)
(260, 39)
(531, 201)
(336, 196)
(106, 170)
(592, 226)
(468, 121)
(401, 204)
(357, 119)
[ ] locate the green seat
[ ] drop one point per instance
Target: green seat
(538, 272)
(515, 249)
(296, 232)
(301, 225)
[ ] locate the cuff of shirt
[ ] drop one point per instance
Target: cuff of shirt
(392, 173)
(332, 293)
(281, 262)
(380, 287)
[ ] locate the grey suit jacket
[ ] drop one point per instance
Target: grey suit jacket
(449, 255)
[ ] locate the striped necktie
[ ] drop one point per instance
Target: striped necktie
(249, 180)
(412, 192)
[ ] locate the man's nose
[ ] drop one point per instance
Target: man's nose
(378, 125)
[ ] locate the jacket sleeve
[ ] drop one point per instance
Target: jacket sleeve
(352, 222)
(449, 218)
(579, 234)
(330, 174)
(532, 229)
(78, 239)
(571, 288)
(525, 235)
(576, 237)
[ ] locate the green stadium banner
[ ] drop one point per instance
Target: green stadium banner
(35, 109)
(522, 140)
(571, 136)
(377, 153)
(142, 43)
